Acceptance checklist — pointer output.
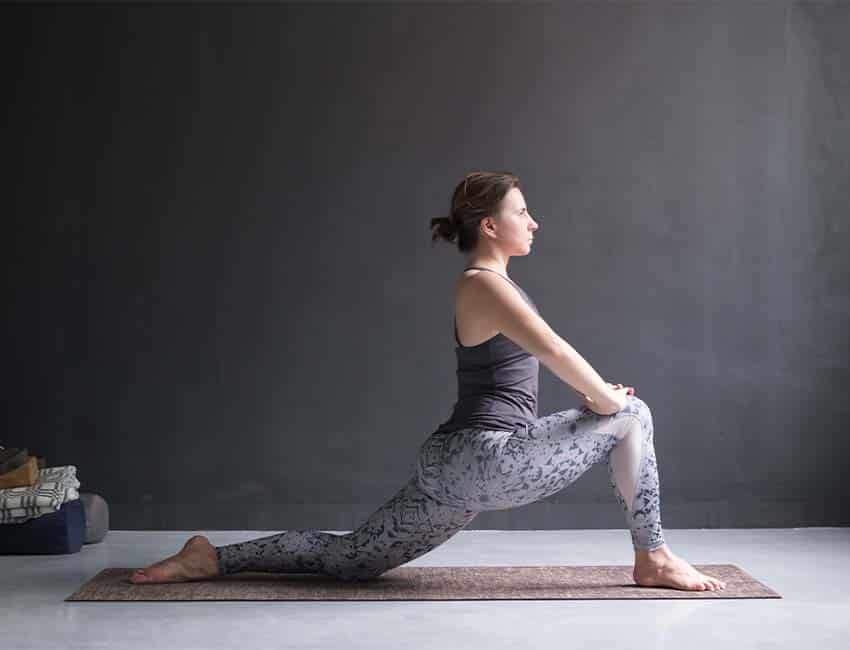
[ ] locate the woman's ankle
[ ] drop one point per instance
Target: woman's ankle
(659, 554)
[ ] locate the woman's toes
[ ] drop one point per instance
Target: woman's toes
(139, 576)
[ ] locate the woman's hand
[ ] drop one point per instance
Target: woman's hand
(619, 388)
(629, 389)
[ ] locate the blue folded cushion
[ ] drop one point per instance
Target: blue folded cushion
(59, 532)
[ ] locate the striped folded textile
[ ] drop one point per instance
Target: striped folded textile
(55, 486)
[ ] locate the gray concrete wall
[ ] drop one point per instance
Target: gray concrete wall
(223, 307)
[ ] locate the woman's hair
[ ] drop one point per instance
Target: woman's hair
(477, 196)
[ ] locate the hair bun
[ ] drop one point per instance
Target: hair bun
(444, 227)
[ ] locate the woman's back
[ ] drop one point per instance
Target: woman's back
(497, 381)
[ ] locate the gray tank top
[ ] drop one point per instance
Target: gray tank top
(497, 382)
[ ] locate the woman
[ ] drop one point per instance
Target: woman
(493, 452)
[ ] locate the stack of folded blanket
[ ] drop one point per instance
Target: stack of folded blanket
(41, 508)
(27, 492)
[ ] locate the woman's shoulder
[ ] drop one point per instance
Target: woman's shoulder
(472, 282)
(465, 282)
(472, 279)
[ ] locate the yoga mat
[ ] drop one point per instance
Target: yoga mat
(595, 582)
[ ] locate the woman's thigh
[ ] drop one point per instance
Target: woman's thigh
(494, 470)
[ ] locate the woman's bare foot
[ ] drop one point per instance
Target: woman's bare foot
(196, 560)
(663, 568)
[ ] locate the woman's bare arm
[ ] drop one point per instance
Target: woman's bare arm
(502, 305)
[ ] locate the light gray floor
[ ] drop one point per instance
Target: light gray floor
(808, 566)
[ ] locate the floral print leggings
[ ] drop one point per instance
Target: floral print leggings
(464, 472)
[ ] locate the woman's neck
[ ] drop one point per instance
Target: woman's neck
(490, 263)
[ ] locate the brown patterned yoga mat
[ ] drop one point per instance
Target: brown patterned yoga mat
(425, 583)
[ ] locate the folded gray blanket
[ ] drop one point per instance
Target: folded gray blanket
(55, 486)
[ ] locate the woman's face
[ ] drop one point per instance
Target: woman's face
(516, 227)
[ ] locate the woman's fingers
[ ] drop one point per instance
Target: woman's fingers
(629, 391)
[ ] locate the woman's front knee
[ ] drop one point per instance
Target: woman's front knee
(636, 406)
(637, 402)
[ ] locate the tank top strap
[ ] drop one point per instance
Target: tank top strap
(482, 268)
